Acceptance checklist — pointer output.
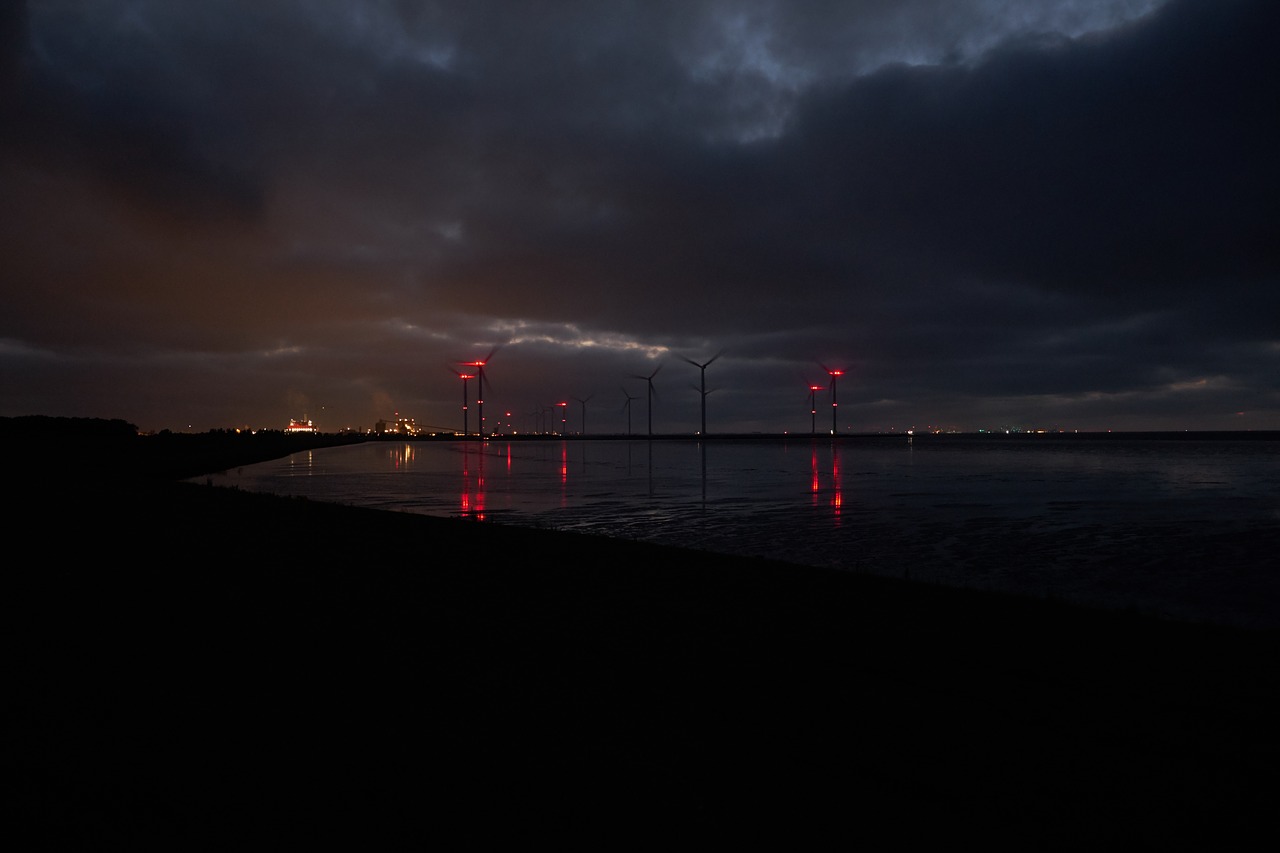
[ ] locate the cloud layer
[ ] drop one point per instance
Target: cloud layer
(1056, 215)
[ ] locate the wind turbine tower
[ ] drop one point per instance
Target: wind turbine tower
(465, 377)
(482, 384)
(703, 388)
(834, 374)
(649, 379)
(627, 406)
(813, 409)
(583, 401)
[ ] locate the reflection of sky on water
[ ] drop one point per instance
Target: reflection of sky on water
(1182, 527)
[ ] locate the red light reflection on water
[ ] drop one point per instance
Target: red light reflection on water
(472, 499)
(564, 474)
(836, 493)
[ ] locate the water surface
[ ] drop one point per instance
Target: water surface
(1184, 528)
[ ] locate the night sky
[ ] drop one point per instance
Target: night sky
(1059, 215)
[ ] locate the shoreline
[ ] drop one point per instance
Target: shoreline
(199, 663)
(1113, 528)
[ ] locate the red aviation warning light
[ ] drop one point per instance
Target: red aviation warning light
(834, 374)
(465, 377)
(481, 385)
(813, 409)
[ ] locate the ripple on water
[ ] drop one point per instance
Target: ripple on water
(1177, 529)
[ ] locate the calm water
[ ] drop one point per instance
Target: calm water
(1187, 528)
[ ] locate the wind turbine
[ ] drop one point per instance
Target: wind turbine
(564, 418)
(649, 379)
(583, 401)
(536, 415)
(483, 383)
(465, 377)
(703, 389)
(813, 409)
(627, 406)
(834, 374)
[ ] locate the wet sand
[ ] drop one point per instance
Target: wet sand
(195, 666)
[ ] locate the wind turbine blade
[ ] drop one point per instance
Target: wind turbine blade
(714, 357)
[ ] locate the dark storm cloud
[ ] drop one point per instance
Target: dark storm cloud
(983, 210)
(99, 93)
(1143, 157)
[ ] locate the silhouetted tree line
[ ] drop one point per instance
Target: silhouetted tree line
(35, 426)
(45, 447)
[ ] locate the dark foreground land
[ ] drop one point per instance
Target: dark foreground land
(193, 667)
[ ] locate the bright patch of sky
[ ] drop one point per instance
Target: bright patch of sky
(569, 335)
